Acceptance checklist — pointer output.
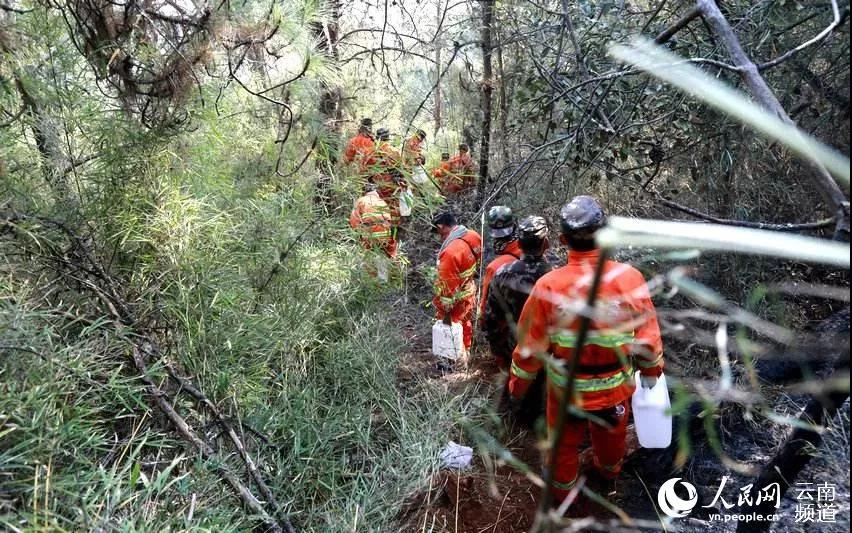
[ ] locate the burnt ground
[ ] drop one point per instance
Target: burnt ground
(494, 496)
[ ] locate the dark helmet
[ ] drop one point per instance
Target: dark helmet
(463, 147)
(444, 218)
(532, 235)
(501, 221)
(445, 156)
(421, 134)
(367, 122)
(581, 217)
(383, 134)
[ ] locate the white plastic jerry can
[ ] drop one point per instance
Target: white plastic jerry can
(406, 202)
(653, 422)
(447, 341)
(418, 175)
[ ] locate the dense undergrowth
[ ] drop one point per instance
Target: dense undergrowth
(247, 288)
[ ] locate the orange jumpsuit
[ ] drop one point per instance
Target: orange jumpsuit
(457, 174)
(372, 220)
(440, 174)
(412, 152)
(624, 325)
(510, 254)
(382, 165)
(357, 148)
(455, 288)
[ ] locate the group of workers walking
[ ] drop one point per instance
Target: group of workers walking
(531, 309)
(388, 174)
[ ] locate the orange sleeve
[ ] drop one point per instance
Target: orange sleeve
(490, 270)
(349, 153)
(533, 341)
(648, 343)
(368, 159)
(448, 282)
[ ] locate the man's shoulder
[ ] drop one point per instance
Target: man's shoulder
(472, 236)
(556, 276)
(626, 272)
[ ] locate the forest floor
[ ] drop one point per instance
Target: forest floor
(496, 497)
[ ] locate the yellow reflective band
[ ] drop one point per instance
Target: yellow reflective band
(380, 234)
(564, 486)
(644, 363)
(590, 384)
(457, 297)
(373, 217)
(612, 468)
(521, 373)
(469, 273)
(567, 339)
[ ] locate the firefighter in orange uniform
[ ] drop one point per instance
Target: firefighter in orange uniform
(504, 232)
(458, 260)
(371, 218)
(360, 145)
(412, 150)
(441, 172)
(461, 174)
(624, 335)
(383, 166)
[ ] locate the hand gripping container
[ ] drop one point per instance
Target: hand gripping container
(650, 414)
(447, 341)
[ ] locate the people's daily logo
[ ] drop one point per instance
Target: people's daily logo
(816, 502)
(671, 503)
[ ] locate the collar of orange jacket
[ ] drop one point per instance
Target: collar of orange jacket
(576, 257)
(457, 232)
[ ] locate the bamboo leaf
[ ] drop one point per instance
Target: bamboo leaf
(621, 232)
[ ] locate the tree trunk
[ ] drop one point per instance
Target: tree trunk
(487, 90)
(437, 113)
(831, 193)
(328, 144)
(503, 104)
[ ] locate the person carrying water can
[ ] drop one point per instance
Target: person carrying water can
(623, 332)
(458, 261)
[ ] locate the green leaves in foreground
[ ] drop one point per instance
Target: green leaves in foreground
(622, 231)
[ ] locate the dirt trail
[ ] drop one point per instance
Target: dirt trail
(498, 498)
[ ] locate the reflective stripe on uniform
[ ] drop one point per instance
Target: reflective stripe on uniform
(612, 468)
(565, 486)
(380, 234)
(469, 273)
(457, 297)
(644, 363)
(568, 339)
(521, 373)
(372, 218)
(588, 384)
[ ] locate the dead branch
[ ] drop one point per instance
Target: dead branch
(182, 427)
(680, 24)
(790, 226)
(820, 37)
(193, 391)
(831, 192)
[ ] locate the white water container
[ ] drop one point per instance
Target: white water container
(653, 422)
(447, 341)
(382, 267)
(418, 175)
(406, 202)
